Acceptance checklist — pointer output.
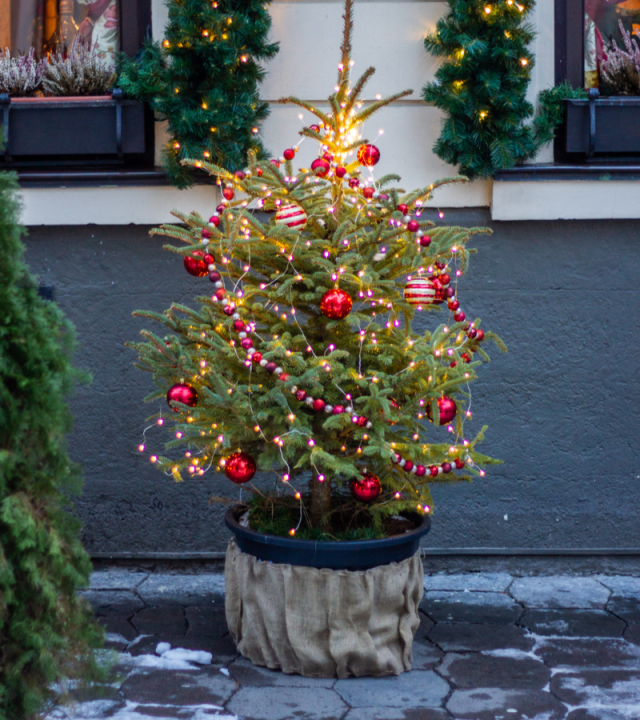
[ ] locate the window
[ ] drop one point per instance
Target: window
(605, 129)
(47, 25)
(74, 135)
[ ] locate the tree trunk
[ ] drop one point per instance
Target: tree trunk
(320, 501)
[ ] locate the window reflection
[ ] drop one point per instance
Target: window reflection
(47, 25)
(602, 18)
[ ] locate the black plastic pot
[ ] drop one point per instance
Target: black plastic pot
(348, 555)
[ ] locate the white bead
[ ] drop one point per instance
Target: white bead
(402, 462)
(328, 408)
(369, 425)
(205, 242)
(294, 390)
(420, 233)
(348, 409)
(281, 159)
(278, 371)
(406, 218)
(414, 469)
(242, 335)
(248, 174)
(376, 194)
(236, 316)
(211, 267)
(225, 301)
(218, 284)
(309, 400)
(250, 351)
(263, 363)
(379, 256)
(440, 470)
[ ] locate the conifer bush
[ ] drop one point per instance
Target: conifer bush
(46, 632)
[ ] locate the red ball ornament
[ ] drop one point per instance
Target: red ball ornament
(368, 155)
(195, 264)
(315, 128)
(206, 234)
(447, 409)
(221, 293)
(367, 489)
(259, 172)
(246, 343)
(341, 172)
(256, 357)
(220, 209)
(239, 174)
(228, 309)
(320, 166)
(403, 208)
(214, 220)
(354, 182)
(445, 279)
(318, 404)
(240, 467)
(336, 304)
(289, 154)
(413, 226)
(337, 410)
(368, 192)
(238, 325)
(459, 463)
(425, 241)
(480, 336)
(421, 291)
(182, 393)
(228, 194)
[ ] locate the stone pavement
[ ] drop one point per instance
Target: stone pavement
(491, 646)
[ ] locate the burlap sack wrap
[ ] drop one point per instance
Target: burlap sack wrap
(323, 623)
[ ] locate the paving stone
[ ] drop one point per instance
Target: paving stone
(162, 620)
(116, 580)
(223, 649)
(560, 592)
(492, 703)
(415, 689)
(161, 711)
(457, 637)
(596, 714)
(206, 620)
(425, 655)
(589, 653)
(512, 670)
(247, 674)
(632, 634)
(287, 703)
(482, 582)
(113, 602)
(116, 625)
(182, 589)
(391, 713)
(470, 607)
(612, 689)
(572, 623)
(94, 709)
(625, 606)
(206, 686)
(625, 584)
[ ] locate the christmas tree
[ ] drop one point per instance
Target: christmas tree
(203, 79)
(303, 362)
(46, 633)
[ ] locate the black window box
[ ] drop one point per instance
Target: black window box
(602, 127)
(79, 130)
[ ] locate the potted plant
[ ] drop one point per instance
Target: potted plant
(65, 105)
(303, 363)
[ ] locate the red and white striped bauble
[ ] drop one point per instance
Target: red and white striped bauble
(419, 291)
(292, 216)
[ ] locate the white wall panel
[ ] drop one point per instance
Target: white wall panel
(387, 35)
(113, 205)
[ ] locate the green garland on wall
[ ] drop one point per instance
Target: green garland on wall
(203, 79)
(483, 84)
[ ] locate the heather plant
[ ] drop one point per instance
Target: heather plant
(620, 69)
(20, 75)
(83, 71)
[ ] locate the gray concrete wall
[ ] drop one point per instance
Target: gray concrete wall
(561, 405)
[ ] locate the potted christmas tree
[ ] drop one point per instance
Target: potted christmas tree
(303, 363)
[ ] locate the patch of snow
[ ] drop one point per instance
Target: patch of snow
(153, 661)
(116, 637)
(224, 671)
(513, 654)
(201, 657)
(137, 640)
(162, 648)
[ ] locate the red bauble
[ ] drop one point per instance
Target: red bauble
(256, 357)
(341, 172)
(182, 393)
(240, 467)
(368, 192)
(289, 154)
(354, 182)
(195, 264)
(320, 166)
(239, 174)
(336, 304)
(413, 226)
(425, 241)
(214, 220)
(228, 194)
(403, 208)
(447, 409)
(368, 155)
(315, 128)
(367, 489)
(445, 279)
(480, 336)
(318, 404)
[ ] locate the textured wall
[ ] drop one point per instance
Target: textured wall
(561, 405)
